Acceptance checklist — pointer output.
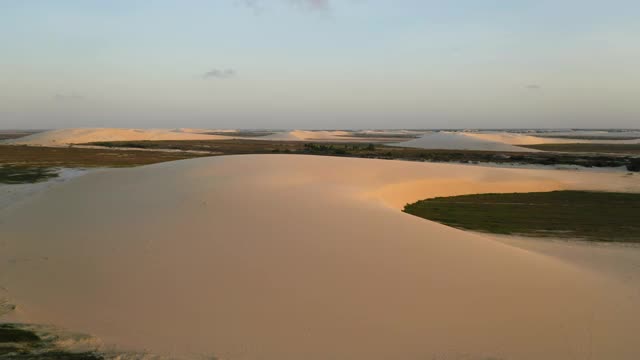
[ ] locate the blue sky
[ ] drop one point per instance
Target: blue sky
(319, 63)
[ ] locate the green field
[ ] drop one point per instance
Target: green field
(596, 216)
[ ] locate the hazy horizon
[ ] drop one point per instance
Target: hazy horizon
(319, 64)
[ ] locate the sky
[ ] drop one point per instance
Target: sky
(319, 64)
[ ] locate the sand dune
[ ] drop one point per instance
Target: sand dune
(64, 137)
(522, 139)
(459, 141)
(302, 135)
(296, 257)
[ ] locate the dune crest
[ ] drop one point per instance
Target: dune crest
(65, 137)
(306, 135)
(522, 139)
(460, 141)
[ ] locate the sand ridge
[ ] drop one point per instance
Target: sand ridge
(307, 135)
(523, 139)
(459, 141)
(65, 137)
(301, 257)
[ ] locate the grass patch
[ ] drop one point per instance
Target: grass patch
(39, 156)
(595, 216)
(10, 334)
(24, 174)
(16, 134)
(378, 151)
(20, 342)
(588, 137)
(241, 133)
(111, 153)
(591, 148)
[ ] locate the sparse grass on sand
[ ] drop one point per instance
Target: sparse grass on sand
(379, 151)
(241, 133)
(588, 137)
(10, 174)
(19, 342)
(25, 164)
(595, 216)
(589, 148)
(22, 155)
(16, 134)
(21, 164)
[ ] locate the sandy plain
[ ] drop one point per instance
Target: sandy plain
(300, 257)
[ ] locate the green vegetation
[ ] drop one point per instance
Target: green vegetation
(376, 151)
(596, 216)
(9, 333)
(589, 137)
(590, 148)
(21, 164)
(39, 156)
(15, 134)
(25, 174)
(20, 342)
(634, 165)
(242, 133)
(382, 136)
(25, 164)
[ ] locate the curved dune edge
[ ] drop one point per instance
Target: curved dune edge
(65, 137)
(460, 141)
(296, 257)
(306, 135)
(522, 139)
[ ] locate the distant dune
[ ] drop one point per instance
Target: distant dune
(302, 135)
(81, 135)
(64, 137)
(522, 139)
(279, 257)
(460, 141)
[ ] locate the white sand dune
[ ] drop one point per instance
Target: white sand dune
(296, 257)
(522, 139)
(599, 133)
(306, 135)
(460, 141)
(64, 137)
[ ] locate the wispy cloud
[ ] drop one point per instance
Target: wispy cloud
(68, 97)
(258, 6)
(219, 74)
(320, 5)
(254, 5)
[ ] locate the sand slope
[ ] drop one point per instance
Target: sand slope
(459, 141)
(295, 257)
(493, 141)
(64, 137)
(306, 135)
(522, 139)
